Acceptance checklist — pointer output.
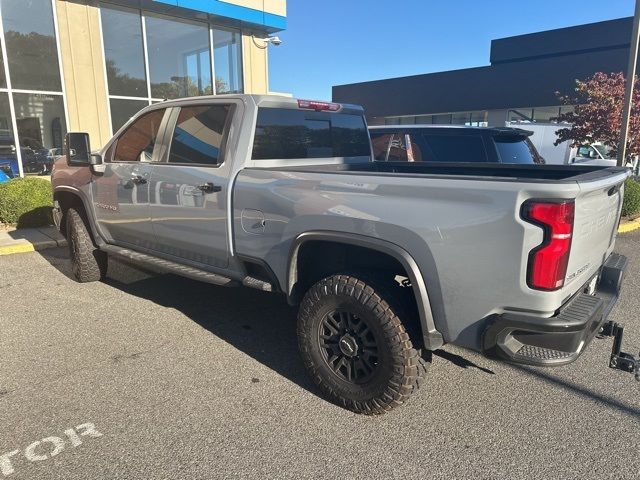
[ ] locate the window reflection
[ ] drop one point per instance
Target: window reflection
(138, 142)
(545, 114)
(31, 44)
(8, 150)
(227, 60)
(197, 137)
(124, 56)
(41, 128)
(122, 110)
(3, 79)
(179, 62)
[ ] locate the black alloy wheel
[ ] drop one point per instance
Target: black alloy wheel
(349, 346)
(354, 343)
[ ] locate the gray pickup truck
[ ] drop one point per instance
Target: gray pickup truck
(387, 261)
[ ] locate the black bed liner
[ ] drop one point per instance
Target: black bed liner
(527, 173)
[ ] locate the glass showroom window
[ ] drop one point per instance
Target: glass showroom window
(227, 61)
(150, 58)
(32, 108)
(41, 128)
(123, 42)
(8, 148)
(31, 44)
(3, 78)
(122, 109)
(545, 114)
(124, 53)
(179, 58)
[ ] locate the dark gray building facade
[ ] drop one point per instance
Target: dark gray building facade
(521, 83)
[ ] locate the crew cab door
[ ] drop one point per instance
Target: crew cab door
(121, 193)
(188, 188)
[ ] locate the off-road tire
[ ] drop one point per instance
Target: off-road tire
(87, 262)
(400, 367)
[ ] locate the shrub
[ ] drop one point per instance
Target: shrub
(26, 202)
(631, 203)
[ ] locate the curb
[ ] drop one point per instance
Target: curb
(26, 247)
(629, 226)
(20, 248)
(41, 239)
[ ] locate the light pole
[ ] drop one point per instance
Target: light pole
(628, 92)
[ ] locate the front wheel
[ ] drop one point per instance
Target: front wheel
(355, 346)
(87, 262)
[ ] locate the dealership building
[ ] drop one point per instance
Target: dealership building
(519, 85)
(86, 65)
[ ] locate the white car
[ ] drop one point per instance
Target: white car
(597, 154)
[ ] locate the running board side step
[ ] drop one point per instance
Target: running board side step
(169, 267)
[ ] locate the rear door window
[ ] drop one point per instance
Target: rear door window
(199, 135)
(515, 149)
(283, 133)
(456, 148)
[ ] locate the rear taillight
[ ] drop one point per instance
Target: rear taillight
(548, 262)
(318, 106)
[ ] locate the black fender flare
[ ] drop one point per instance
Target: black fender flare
(86, 203)
(432, 337)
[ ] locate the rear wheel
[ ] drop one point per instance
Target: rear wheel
(355, 346)
(88, 263)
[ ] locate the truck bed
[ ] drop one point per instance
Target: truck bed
(461, 223)
(492, 171)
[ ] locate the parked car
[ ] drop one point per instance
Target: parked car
(453, 144)
(36, 161)
(544, 138)
(386, 260)
(8, 154)
(592, 154)
(9, 166)
(4, 177)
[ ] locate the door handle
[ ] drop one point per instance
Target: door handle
(210, 188)
(138, 179)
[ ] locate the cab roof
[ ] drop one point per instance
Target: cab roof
(457, 128)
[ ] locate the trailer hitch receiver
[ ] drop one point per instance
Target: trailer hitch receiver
(620, 360)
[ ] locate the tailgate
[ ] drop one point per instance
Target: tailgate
(597, 213)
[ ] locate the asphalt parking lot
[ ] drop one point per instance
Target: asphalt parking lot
(151, 377)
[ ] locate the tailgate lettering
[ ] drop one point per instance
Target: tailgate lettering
(593, 225)
(577, 273)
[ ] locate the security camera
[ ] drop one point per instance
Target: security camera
(275, 41)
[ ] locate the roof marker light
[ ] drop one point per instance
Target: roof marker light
(319, 106)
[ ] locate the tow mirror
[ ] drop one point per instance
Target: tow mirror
(77, 149)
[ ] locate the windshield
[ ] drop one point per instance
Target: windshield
(603, 150)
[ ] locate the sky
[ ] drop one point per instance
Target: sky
(333, 42)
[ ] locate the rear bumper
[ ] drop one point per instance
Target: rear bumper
(560, 339)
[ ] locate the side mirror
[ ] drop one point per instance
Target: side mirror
(77, 149)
